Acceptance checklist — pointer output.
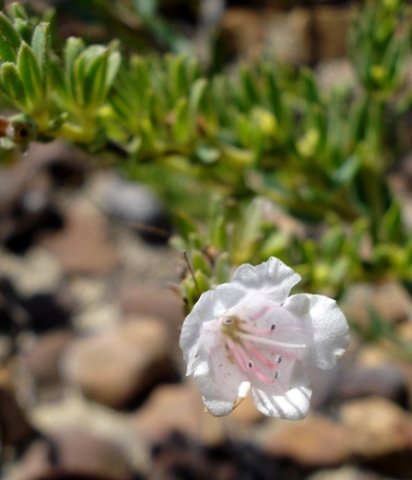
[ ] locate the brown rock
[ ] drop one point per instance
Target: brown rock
(242, 32)
(314, 441)
(331, 24)
(246, 412)
(159, 302)
(176, 408)
(14, 426)
(389, 300)
(83, 246)
(42, 359)
(376, 427)
(122, 363)
(73, 454)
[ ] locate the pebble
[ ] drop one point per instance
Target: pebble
(120, 364)
(83, 245)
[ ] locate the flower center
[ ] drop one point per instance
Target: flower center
(255, 350)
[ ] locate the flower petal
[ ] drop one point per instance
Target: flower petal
(272, 278)
(289, 397)
(328, 325)
(222, 385)
(210, 304)
(293, 405)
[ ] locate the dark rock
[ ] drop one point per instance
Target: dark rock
(47, 311)
(16, 431)
(179, 458)
(38, 313)
(73, 454)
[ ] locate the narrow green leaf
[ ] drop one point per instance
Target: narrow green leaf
(196, 96)
(39, 43)
(249, 90)
(113, 66)
(391, 227)
(30, 74)
(146, 8)
(74, 46)
(16, 10)
(180, 127)
(95, 81)
(8, 32)
(274, 94)
(79, 77)
(347, 171)
(57, 79)
(310, 87)
(7, 52)
(12, 85)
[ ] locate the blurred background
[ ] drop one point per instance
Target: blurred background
(92, 382)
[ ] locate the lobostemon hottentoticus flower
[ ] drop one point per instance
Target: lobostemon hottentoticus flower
(250, 335)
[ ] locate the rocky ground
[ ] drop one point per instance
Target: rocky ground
(91, 379)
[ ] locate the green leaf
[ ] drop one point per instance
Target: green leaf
(79, 77)
(12, 84)
(391, 227)
(222, 268)
(16, 10)
(200, 262)
(310, 86)
(146, 8)
(7, 52)
(39, 44)
(274, 94)
(30, 74)
(196, 96)
(207, 154)
(95, 81)
(9, 33)
(346, 172)
(180, 128)
(23, 28)
(113, 66)
(73, 48)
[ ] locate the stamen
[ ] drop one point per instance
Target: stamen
(247, 365)
(259, 356)
(272, 327)
(247, 328)
(278, 358)
(269, 341)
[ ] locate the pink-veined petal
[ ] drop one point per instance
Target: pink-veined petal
(288, 398)
(291, 405)
(330, 331)
(210, 304)
(272, 278)
(222, 384)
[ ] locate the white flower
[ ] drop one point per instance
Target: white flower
(248, 334)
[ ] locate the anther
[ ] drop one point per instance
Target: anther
(276, 375)
(250, 364)
(278, 358)
(272, 327)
